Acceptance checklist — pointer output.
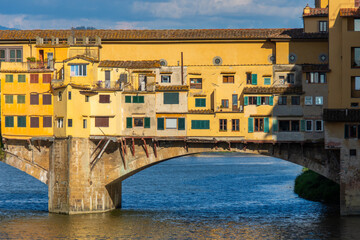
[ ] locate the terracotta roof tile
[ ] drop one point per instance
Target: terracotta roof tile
(317, 12)
(172, 88)
(131, 64)
(185, 34)
(350, 12)
(207, 111)
(272, 90)
(81, 57)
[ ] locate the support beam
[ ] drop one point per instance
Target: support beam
(133, 146)
(146, 150)
(155, 148)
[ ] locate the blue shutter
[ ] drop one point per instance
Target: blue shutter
(302, 125)
(271, 100)
(160, 123)
(246, 101)
(266, 125)
(250, 125)
(267, 81)
(258, 101)
(254, 79)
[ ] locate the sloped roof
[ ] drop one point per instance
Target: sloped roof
(317, 12)
(131, 64)
(349, 12)
(184, 34)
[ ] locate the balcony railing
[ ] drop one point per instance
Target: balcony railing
(48, 64)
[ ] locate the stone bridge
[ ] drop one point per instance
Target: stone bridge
(85, 175)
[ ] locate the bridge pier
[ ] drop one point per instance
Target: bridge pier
(74, 186)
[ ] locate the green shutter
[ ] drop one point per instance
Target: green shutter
(171, 98)
(147, 122)
(200, 124)
(127, 99)
(266, 125)
(250, 125)
(181, 124)
(21, 78)
(9, 98)
(141, 99)
(129, 122)
(267, 81)
(302, 125)
(271, 100)
(258, 101)
(275, 125)
(346, 133)
(9, 78)
(9, 121)
(135, 99)
(246, 101)
(21, 121)
(200, 102)
(254, 79)
(194, 124)
(21, 99)
(160, 123)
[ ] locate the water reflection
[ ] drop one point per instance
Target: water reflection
(204, 197)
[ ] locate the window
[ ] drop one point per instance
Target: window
(200, 124)
(9, 78)
(267, 81)
(78, 70)
(200, 102)
(357, 24)
(225, 103)
(59, 96)
(264, 101)
(323, 26)
(295, 100)
(69, 95)
(352, 152)
(253, 100)
(308, 125)
(2, 55)
(319, 125)
(87, 98)
(138, 99)
(289, 126)
(47, 99)
(355, 57)
(308, 100)
(60, 122)
(47, 122)
(104, 98)
(254, 79)
(34, 122)
(290, 78)
(171, 123)
(21, 121)
(70, 123)
(9, 121)
(138, 122)
(171, 98)
(195, 83)
(9, 99)
(21, 78)
(352, 131)
(235, 125)
(315, 77)
(355, 87)
(282, 100)
(295, 126)
(34, 99)
(228, 79)
(259, 124)
(223, 125)
(248, 78)
(127, 99)
(165, 78)
(34, 78)
(20, 99)
(84, 123)
(10, 55)
(282, 79)
(319, 100)
(46, 78)
(101, 121)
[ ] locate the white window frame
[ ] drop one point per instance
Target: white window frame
(312, 126)
(60, 122)
(171, 122)
(322, 126)
(356, 24)
(308, 100)
(78, 70)
(357, 83)
(165, 78)
(317, 98)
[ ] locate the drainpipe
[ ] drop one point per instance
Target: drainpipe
(182, 68)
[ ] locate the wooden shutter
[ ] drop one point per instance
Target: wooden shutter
(258, 101)
(207, 124)
(250, 125)
(34, 122)
(127, 99)
(34, 99)
(9, 121)
(346, 133)
(271, 100)
(21, 78)
(46, 78)
(302, 125)
(104, 98)
(171, 98)
(21, 121)
(275, 125)
(266, 125)
(9, 78)
(141, 99)
(160, 124)
(231, 79)
(34, 78)
(181, 124)
(135, 99)
(101, 121)
(147, 123)
(47, 122)
(246, 101)
(254, 79)
(129, 122)
(47, 99)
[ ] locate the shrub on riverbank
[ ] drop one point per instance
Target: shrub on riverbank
(314, 187)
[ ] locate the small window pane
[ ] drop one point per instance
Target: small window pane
(47, 122)
(21, 78)
(171, 123)
(21, 121)
(47, 99)
(357, 25)
(9, 99)
(34, 122)
(34, 99)
(357, 83)
(9, 121)
(9, 78)
(21, 99)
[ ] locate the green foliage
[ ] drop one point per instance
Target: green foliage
(314, 187)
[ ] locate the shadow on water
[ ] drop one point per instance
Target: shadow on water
(209, 196)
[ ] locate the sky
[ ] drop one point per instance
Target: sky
(152, 14)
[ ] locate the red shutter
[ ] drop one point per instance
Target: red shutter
(34, 99)
(101, 121)
(46, 78)
(47, 99)
(34, 122)
(104, 98)
(34, 78)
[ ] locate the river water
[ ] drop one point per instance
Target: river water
(208, 196)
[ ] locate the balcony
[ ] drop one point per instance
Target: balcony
(47, 64)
